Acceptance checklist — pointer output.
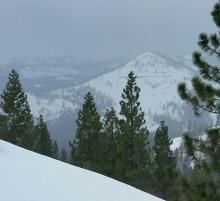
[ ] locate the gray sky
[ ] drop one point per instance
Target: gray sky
(101, 29)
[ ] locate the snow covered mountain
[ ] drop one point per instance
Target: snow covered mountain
(42, 74)
(158, 77)
(27, 176)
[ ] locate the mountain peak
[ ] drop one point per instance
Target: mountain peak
(150, 57)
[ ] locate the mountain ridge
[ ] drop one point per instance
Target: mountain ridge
(157, 76)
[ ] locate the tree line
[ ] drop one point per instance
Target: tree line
(117, 145)
(113, 146)
(17, 123)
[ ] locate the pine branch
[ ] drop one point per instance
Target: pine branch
(207, 110)
(205, 142)
(212, 50)
(212, 77)
(213, 67)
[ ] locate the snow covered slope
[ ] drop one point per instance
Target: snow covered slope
(176, 143)
(27, 176)
(158, 89)
(56, 88)
(158, 77)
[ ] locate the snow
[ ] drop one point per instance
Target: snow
(27, 176)
(158, 97)
(158, 88)
(51, 109)
(176, 143)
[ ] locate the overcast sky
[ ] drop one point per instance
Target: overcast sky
(102, 29)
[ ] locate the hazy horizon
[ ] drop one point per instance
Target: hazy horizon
(102, 29)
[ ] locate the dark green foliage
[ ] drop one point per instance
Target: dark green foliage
(133, 162)
(85, 147)
(43, 143)
(205, 181)
(3, 127)
(183, 162)
(205, 152)
(206, 95)
(108, 143)
(16, 108)
(164, 167)
(116, 148)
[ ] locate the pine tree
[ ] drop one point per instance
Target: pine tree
(108, 142)
(205, 153)
(183, 162)
(43, 142)
(85, 146)
(133, 161)
(3, 128)
(164, 162)
(19, 118)
(204, 182)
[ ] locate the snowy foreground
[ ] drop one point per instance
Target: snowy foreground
(27, 176)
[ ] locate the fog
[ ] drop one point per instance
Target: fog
(101, 29)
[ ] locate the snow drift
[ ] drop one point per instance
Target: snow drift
(28, 176)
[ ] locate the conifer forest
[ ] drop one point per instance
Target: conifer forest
(151, 123)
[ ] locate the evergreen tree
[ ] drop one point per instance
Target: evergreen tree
(85, 147)
(164, 162)
(43, 142)
(205, 153)
(183, 162)
(133, 160)
(204, 182)
(19, 118)
(108, 142)
(3, 128)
